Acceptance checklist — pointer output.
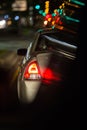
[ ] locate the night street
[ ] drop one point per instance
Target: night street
(42, 64)
(12, 114)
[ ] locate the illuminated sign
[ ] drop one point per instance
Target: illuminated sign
(19, 5)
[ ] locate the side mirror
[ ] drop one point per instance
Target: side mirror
(22, 51)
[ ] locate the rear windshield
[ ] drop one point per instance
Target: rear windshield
(57, 41)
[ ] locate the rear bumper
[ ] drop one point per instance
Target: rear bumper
(35, 92)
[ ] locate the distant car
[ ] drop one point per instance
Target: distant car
(48, 64)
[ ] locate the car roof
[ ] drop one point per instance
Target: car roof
(63, 34)
(60, 28)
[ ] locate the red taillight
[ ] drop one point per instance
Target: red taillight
(33, 68)
(50, 75)
(32, 71)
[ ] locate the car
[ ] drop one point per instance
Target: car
(48, 67)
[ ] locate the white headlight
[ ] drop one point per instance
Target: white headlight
(2, 23)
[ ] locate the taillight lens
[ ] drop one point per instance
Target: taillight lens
(51, 76)
(32, 71)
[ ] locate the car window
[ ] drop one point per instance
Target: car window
(43, 44)
(64, 36)
(55, 42)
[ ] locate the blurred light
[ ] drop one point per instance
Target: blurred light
(60, 11)
(30, 8)
(74, 5)
(57, 19)
(47, 7)
(6, 16)
(63, 4)
(78, 2)
(53, 22)
(2, 24)
(53, 27)
(44, 14)
(55, 11)
(60, 7)
(49, 19)
(48, 16)
(46, 10)
(53, 14)
(49, 76)
(40, 11)
(9, 22)
(19, 5)
(72, 19)
(16, 17)
(37, 6)
(59, 27)
(45, 22)
(47, 4)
